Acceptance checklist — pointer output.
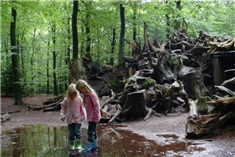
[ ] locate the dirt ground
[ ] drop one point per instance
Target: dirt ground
(221, 144)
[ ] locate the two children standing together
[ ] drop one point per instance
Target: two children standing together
(75, 110)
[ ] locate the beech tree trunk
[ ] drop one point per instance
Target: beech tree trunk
(14, 58)
(75, 30)
(122, 34)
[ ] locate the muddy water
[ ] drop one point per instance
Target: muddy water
(114, 141)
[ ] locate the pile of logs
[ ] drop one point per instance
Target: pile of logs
(165, 79)
(187, 63)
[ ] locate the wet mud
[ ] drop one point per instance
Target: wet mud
(41, 140)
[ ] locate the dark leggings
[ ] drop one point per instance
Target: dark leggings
(92, 131)
(75, 131)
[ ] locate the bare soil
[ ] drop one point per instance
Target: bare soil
(220, 144)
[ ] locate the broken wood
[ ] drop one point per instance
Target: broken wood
(150, 112)
(5, 117)
(50, 105)
(227, 102)
(225, 90)
(118, 112)
(207, 116)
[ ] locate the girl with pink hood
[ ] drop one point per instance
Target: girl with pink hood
(73, 111)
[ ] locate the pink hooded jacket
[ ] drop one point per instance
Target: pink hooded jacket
(92, 105)
(72, 110)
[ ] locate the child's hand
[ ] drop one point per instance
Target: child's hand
(83, 118)
(63, 118)
(76, 119)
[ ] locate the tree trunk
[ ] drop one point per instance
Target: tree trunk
(87, 27)
(75, 29)
(15, 66)
(178, 23)
(54, 59)
(134, 21)
(76, 68)
(48, 71)
(167, 23)
(111, 61)
(68, 51)
(168, 26)
(32, 62)
(122, 35)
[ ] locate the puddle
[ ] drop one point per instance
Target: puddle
(114, 141)
(34, 141)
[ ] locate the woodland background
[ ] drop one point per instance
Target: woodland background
(41, 39)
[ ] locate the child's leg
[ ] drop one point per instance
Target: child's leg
(78, 136)
(92, 136)
(71, 136)
(95, 142)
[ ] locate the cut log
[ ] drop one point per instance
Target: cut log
(135, 106)
(201, 125)
(17, 111)
(5, 117)
(204, 119)
(52, 106)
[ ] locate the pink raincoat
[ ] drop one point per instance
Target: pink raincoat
(92, 107)
(72, 109)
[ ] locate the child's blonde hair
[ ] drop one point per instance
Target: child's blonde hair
(82, 83)
(71, 89)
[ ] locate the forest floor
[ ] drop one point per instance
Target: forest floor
(221, 144)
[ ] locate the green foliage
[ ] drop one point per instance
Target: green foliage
(214, 17)
(6, 81)
(36, 19)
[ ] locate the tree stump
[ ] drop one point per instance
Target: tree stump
(135, 106)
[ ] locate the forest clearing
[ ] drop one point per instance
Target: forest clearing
(164, 72)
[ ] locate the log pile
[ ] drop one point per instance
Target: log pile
(187, 62)
(163, 79)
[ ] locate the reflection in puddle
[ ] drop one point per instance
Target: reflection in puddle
(114, 141)
(34, 140)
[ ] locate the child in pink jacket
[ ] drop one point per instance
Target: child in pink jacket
(92, 105)
(73, 111)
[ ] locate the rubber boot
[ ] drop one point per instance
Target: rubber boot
(72, 144)
(95, 145)
(88, 147)
(78, 144)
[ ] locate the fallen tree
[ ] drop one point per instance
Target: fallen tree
(206, 116)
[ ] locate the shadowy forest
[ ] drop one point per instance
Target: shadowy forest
(143, 58)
